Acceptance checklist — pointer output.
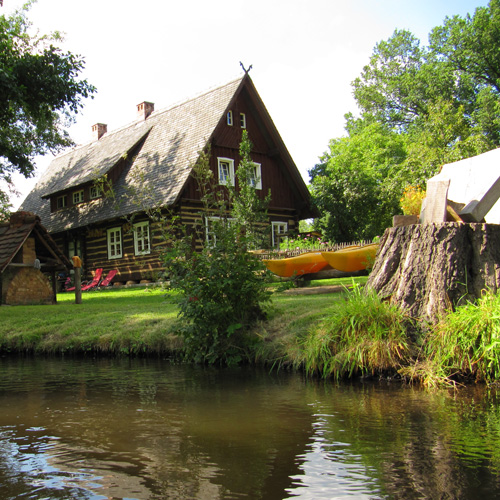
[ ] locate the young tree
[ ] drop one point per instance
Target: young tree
(222, 289)
(247, 208)
(39, 95)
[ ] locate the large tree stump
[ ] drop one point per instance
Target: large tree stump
(429, 269)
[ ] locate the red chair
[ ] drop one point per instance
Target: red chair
(95, 280)
(107, 280)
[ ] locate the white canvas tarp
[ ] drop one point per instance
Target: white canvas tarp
(471, 179)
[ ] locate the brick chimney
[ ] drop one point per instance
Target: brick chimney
(19, 218)
(144, 110)
(98, 130)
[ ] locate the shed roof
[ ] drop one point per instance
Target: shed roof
(15, 232)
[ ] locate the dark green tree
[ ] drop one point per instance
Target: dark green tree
(40, 93)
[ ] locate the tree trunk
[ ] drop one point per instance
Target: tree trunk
(429, 269)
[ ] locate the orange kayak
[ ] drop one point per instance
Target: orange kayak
(306, 263)
(352, 259)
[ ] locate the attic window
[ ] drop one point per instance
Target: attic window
(62, 201)
(230, 118)
(78, 197)
(243, 120)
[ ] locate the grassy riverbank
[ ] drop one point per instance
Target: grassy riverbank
(135, 321)
(341, 334)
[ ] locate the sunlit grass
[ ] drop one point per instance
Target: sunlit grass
(362, 335)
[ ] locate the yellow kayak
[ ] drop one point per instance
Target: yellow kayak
(306, 263)
(351, 259)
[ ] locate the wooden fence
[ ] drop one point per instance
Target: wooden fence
(293, 252)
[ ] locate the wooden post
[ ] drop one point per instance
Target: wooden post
(77, 265)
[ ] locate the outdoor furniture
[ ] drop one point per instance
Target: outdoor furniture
(95, 280)
(107, 280)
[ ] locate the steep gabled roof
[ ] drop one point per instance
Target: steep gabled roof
(14, 233)
(160, 153)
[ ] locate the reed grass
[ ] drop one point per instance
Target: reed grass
(466, 343)
(363, 336)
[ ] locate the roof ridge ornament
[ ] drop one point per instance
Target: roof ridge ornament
(246, 70)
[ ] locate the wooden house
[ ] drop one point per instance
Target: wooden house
(149, 164)
(28, 256)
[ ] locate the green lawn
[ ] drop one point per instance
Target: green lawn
(136, 321)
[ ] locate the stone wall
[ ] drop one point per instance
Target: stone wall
(26, 286)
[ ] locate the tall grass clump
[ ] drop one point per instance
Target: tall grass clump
(466, 343)
(363, 336)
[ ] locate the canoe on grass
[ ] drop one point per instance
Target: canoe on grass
(305, 263)
(352, 259)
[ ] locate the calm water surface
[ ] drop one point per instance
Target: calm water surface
(147, 429)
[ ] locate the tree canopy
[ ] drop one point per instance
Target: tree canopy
(420, 107)
(40, 93)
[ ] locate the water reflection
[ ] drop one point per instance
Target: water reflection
(147, 429)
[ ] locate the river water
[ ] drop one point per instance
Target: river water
(149, 429)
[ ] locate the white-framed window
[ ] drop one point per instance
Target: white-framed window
(95, 192)
(78, 197)
(278, 233)
(255, 179)
(243, 120)
(229, 118)
(115, 243)
(142, 244)
(210, 228)
(226, 171)
(62, 201)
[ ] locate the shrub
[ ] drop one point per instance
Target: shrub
(411, 201)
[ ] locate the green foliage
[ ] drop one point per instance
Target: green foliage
(303, 242)
(411, 201)
(222, 289)
(39, 94)
(441, 101)
(353, 185)
(466, 343)
(249, 210)
(363, 336)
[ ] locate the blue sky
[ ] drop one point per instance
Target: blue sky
(304, 55)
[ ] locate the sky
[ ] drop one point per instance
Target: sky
(304, 55)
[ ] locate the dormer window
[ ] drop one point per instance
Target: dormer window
(230, 118)
(243, 120)
(62, 201)
(95, 192)
(78, 197)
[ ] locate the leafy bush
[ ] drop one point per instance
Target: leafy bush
(363, 336)
(306, 241)
(411, 201)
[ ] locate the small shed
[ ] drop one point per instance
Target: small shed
(29, 261)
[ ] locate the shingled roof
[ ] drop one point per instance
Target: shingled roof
(166, 146)
(15, 232)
